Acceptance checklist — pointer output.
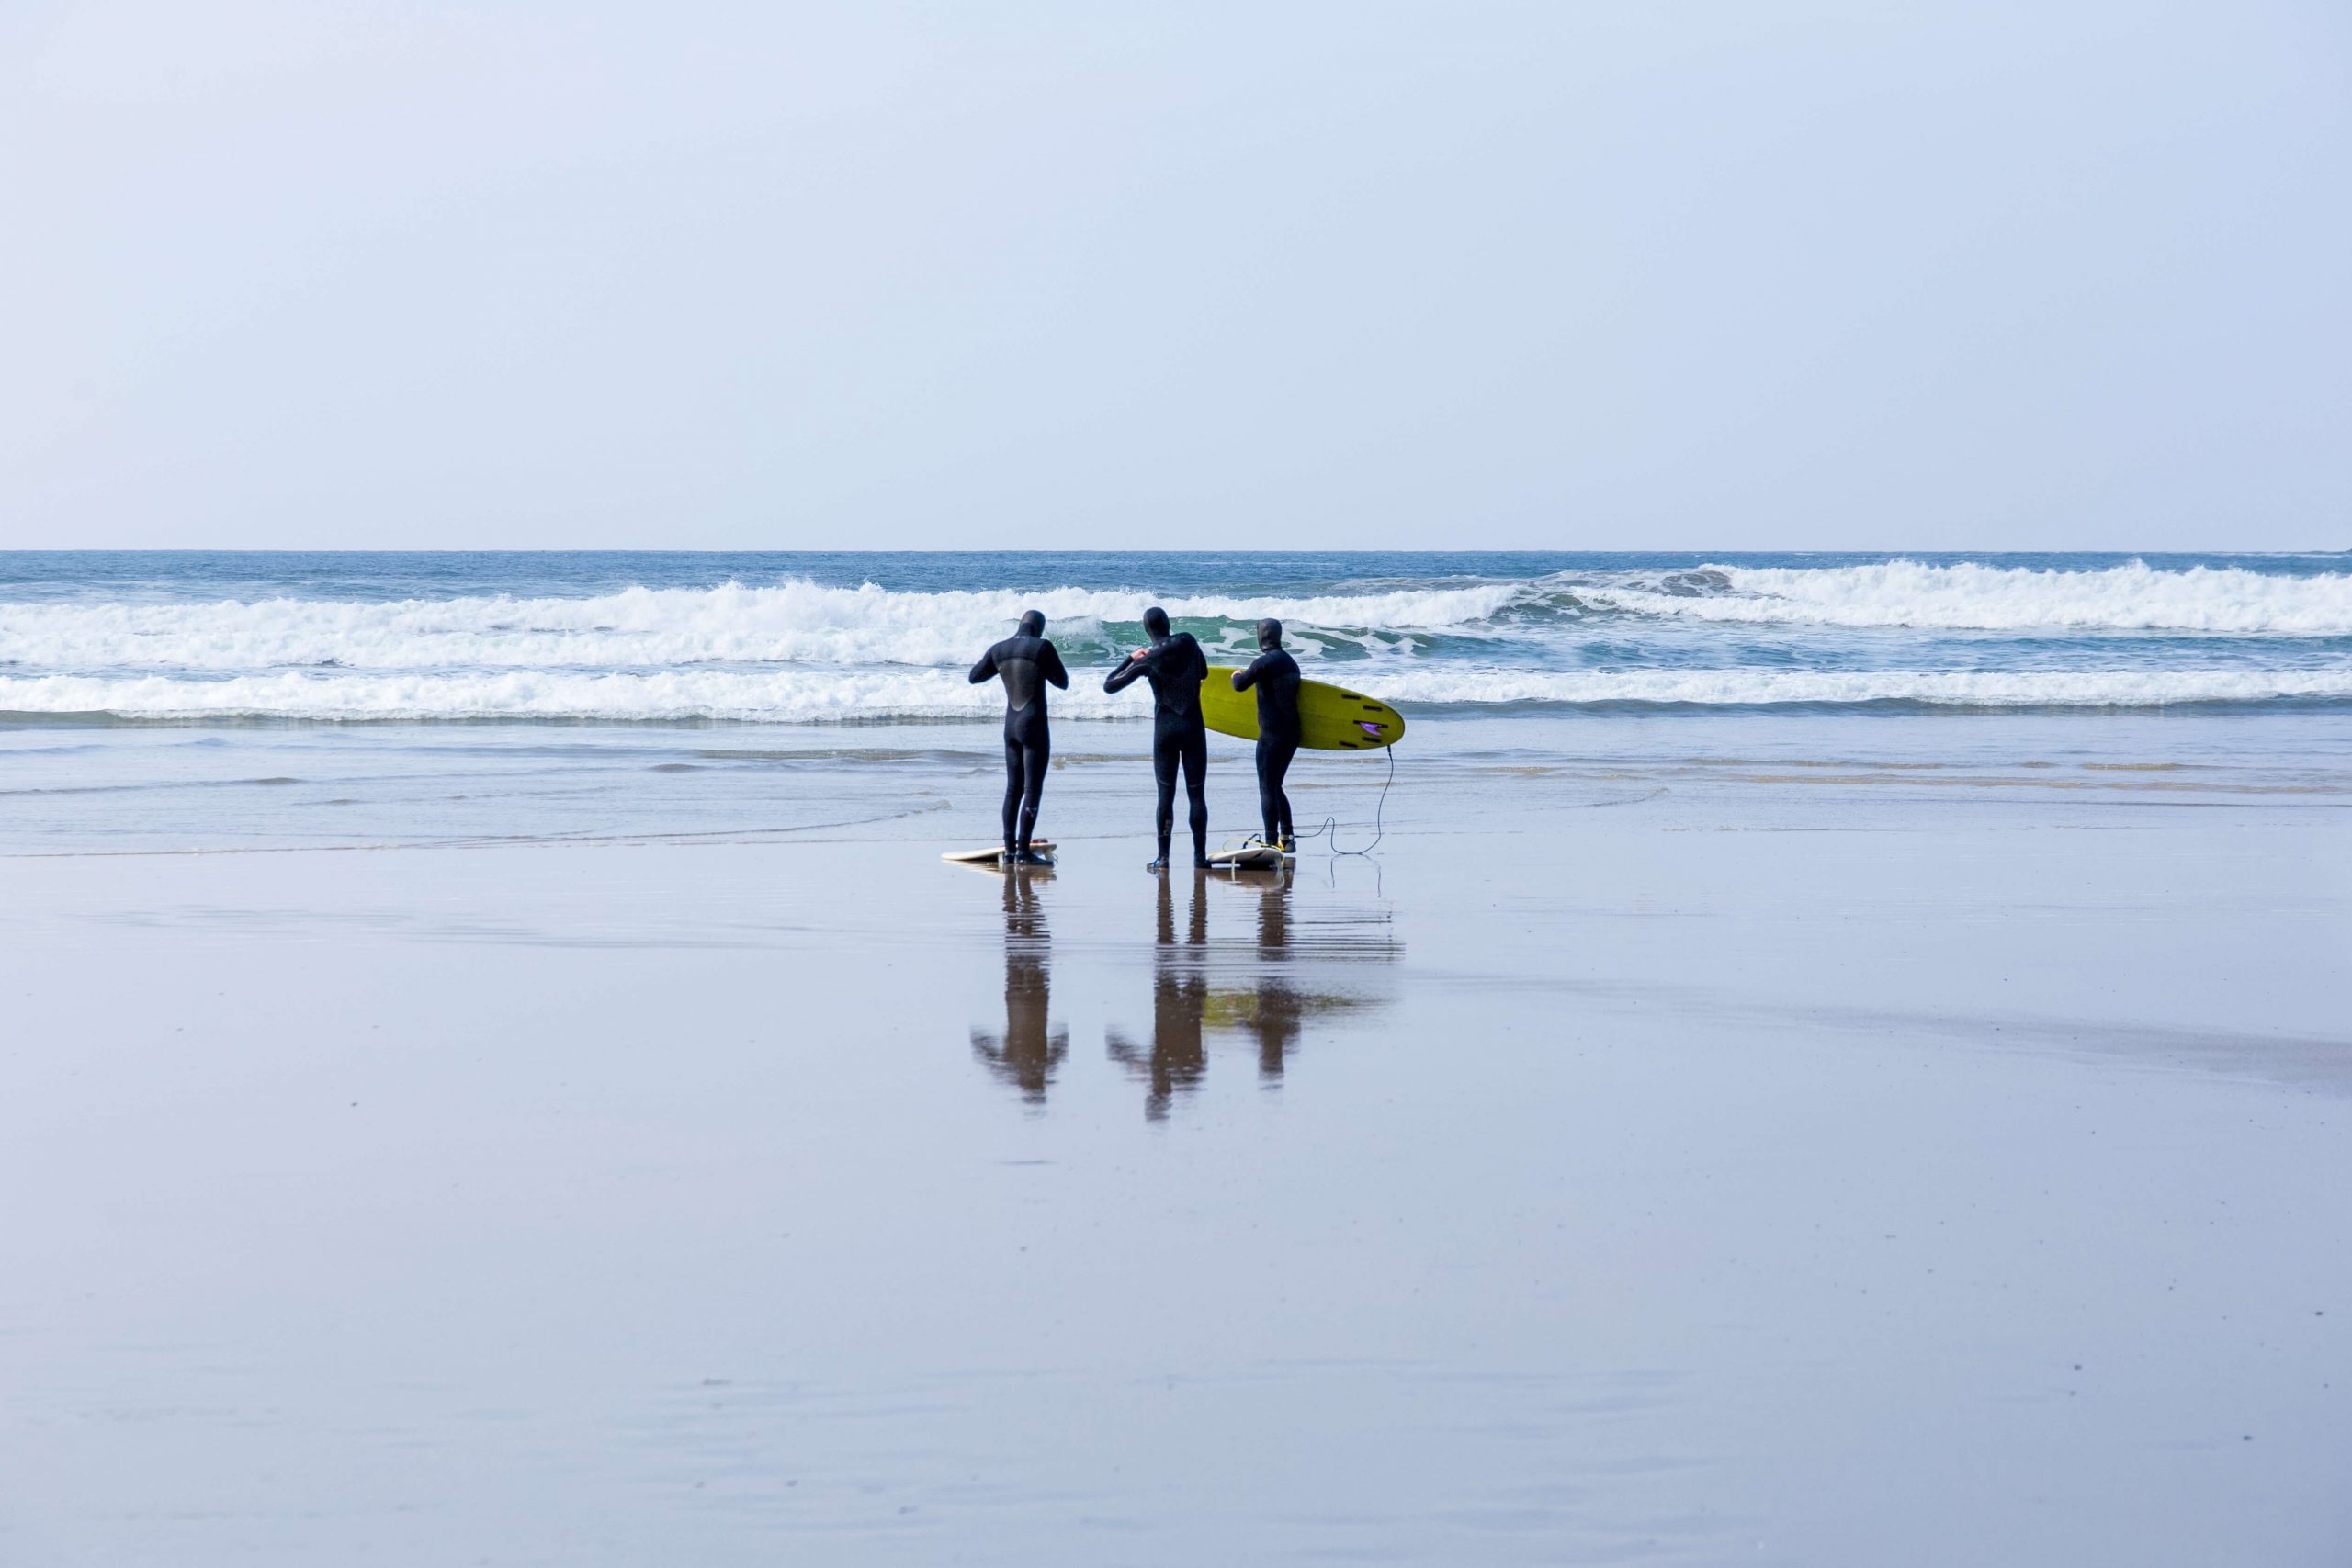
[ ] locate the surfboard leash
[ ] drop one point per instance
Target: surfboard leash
(1330, 829)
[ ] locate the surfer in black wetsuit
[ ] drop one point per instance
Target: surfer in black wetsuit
(1176, 666)
(1025, 661)
(1276, 676)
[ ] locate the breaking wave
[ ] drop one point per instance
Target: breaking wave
(1935, 636)
(805, 696)
(1972, 597)
(792, 623)
(805, 623)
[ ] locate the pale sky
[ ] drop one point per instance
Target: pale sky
(1645, 274)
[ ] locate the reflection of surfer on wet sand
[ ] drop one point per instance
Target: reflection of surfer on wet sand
(1029, 1049)
(1276, 1006)
(1268, 1000)
(1176, 1058)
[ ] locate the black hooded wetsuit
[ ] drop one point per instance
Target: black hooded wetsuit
(1176, 666)
(1276, 676)
(1025, 662)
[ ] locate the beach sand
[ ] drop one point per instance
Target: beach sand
(1662, 1151)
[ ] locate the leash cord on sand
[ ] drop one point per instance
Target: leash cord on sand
(1330, 829)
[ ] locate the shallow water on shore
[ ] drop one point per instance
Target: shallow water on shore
(270, 787)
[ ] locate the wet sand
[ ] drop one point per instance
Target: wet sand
(1727, 1161)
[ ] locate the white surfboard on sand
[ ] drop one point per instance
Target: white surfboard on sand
(1249, 857)
(994, 853)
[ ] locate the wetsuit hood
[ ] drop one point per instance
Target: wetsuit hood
(1032, 624)
(1270, 633)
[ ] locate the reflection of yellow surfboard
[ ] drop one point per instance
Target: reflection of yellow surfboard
(1330, 718)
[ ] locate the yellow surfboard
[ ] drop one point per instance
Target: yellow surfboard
(1330, 718)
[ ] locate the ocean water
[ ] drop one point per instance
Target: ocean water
(796, 639)
(206, 700)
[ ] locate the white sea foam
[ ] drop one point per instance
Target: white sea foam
(806, 624)
(792, 623)
(1993, 689)
(802, 697)
(2131, 597)
(777, 696)
(799, 651)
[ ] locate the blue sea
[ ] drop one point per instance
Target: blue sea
(203, 698)
(796, 639)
